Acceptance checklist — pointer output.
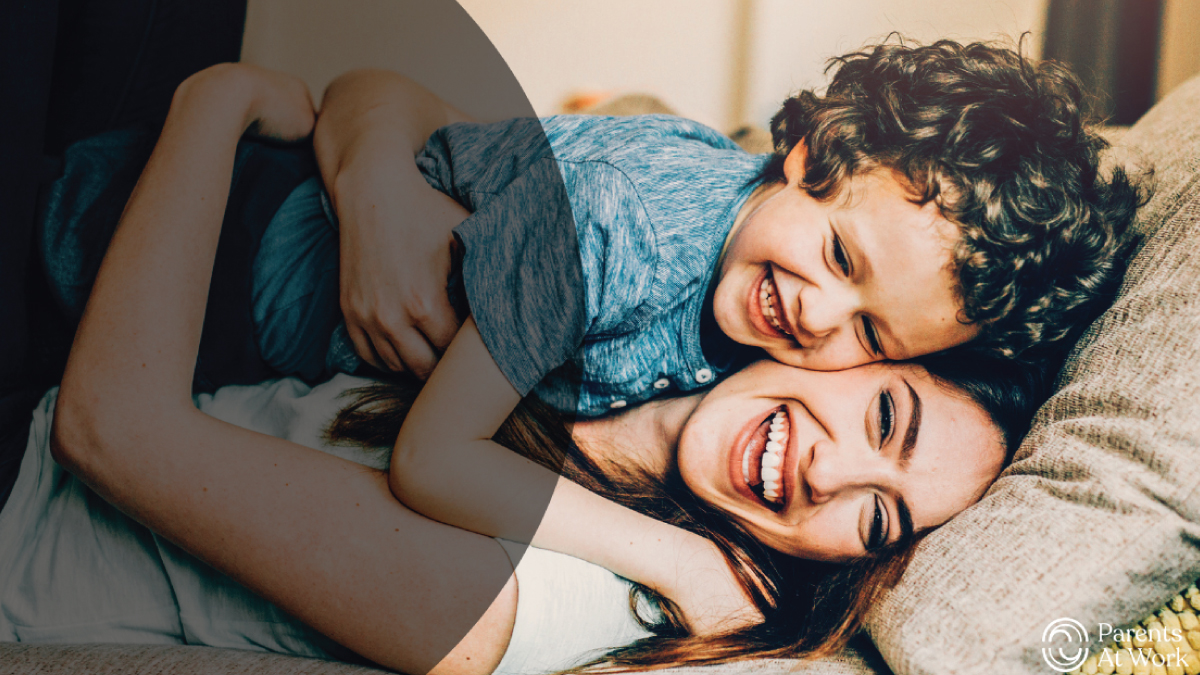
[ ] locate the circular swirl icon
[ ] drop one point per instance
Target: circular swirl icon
(1065, 659)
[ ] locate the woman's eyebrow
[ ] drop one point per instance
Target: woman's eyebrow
(906, 451)
(914, 427)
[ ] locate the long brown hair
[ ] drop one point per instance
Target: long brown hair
(809, 608)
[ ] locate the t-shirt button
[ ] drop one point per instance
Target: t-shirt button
(662, 383)
(703, 375)
(617, 404)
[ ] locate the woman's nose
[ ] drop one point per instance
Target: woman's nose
(835, 469)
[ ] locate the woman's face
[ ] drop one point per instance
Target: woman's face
(832, 465)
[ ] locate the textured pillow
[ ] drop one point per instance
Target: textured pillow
(1098, 519)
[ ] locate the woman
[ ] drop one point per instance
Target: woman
(322, 538)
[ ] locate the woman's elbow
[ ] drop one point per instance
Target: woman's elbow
(73, 434)
(89, 422)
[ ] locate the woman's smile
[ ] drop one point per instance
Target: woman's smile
(756, 466)
(763, 460)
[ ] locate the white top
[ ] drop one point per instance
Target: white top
(74, 569)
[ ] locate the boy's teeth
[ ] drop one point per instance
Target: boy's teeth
(772, 459)
(766, 299)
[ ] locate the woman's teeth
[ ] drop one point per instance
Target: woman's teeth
(768, 300)
(773, 458)
(769, 455)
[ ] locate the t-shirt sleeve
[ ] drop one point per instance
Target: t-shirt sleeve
(523, 278)
(568, 612)
(472, 162)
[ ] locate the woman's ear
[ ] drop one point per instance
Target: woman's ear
(793, 164)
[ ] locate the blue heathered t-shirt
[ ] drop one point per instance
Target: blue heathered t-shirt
(653, 199)
(592, 243)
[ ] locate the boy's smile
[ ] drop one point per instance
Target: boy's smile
(863, 277)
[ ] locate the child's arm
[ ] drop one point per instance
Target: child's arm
(445, 467)
(395, 229)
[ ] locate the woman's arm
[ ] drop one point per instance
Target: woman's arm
(445, 466)
(395, 228)
(319, 536)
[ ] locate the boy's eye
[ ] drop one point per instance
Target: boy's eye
(839, 256)
(872, 337)
(887, 417)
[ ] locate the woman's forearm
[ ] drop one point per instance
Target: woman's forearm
(317, 535)
(136, 346)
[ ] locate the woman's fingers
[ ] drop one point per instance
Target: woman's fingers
(362, 345)
(441, 325)
(404, 350)
(418, 356)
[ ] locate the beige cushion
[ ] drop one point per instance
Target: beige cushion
(1098, 518)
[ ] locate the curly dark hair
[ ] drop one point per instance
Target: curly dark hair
(1004, 147)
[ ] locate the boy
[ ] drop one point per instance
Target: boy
(933, 197)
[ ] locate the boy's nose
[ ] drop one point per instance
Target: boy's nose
(824, 310)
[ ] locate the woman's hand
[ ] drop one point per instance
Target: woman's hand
(705, 590)
(395, 229)
(686, 568)
(396, 248)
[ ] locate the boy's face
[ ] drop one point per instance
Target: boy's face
(863, 277)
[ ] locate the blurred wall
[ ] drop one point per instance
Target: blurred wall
(719, 61)
(1179, 52)
(795, 38)
(433, 41)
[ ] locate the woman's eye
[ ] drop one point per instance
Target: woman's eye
(887, 417)
(872, 337)
(877, 536)
(839, 256)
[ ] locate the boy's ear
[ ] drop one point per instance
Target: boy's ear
(793, 164)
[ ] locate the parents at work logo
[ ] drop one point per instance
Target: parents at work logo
(1069, 657)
